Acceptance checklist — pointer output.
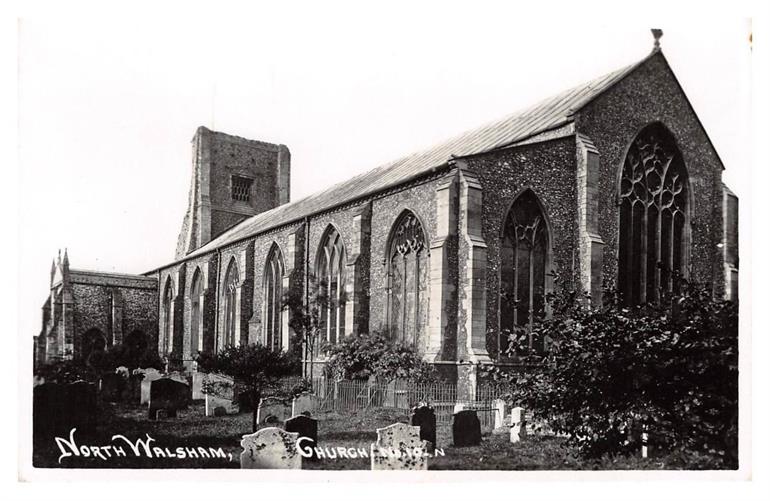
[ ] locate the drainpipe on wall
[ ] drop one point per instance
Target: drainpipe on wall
(216, 301)
(307, 291)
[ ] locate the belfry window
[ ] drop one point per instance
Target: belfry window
(331, 263)
(652, 250)
(241, 188)
(230, 293)
(407, 280)
(523, 268)
(273, 296)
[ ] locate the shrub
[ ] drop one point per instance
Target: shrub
(364, 355)
(612, 371)
(255, 368)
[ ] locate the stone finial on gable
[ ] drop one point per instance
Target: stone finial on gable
(656, 33)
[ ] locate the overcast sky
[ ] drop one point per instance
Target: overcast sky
(108, 109)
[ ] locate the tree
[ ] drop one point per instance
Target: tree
(256, 369)
(612, 372)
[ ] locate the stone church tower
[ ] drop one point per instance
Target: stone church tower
(232, 179)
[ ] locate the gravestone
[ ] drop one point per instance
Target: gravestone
(399, 448)
(501, 421)
(303, 403)
(466, 429)
(150, 375)
(273, 409)
(270, 448)
(132, 391)
(47, 401)
(306, 427)
(197, 385)
(111, 387)
(518, 424)
(220, 395)
(425, 418)
(168, 395)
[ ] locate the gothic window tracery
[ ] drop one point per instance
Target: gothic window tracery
(524, 259)
(230, 296)
(407, 280)
(654, 186)
(331, 264)
(273, 294)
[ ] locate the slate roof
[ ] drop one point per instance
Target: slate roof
(546, 115)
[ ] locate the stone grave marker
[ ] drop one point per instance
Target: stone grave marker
(270, 448)
(303, 403)
(46, 408)
(150, 375)
(466, 429)
(197, 385)
(306, 427)
(399, 447)
(518, 424)
(111, 387)
(220, 400)
(500, 415)
(425, 418)
(169, 395)
(272, 409)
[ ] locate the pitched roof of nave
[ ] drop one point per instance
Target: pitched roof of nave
(547, 115)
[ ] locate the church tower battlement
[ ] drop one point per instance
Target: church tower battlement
(232, 179)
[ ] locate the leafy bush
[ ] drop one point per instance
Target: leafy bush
(364, 355)
(612, 372)
(66, 371)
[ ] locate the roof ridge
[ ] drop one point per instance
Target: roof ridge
(545, 114)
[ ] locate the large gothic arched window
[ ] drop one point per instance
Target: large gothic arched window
(407, 280)
(524, 264)
(273, 295)
(652, 250)
(230, 293)
(330, 266)
(196, 337)
(167, 334)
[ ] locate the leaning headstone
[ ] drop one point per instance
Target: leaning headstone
(273, 409)
(168, 395)
(307, 429)
(425, 418)
(466, 429)
(399, 448)
(270, 448)
(518, 424)
(150, 375)
(303, 403)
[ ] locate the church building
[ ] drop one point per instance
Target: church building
(611, 183)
